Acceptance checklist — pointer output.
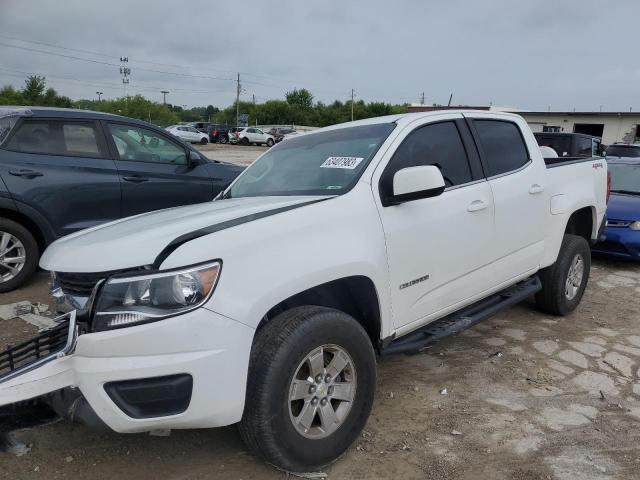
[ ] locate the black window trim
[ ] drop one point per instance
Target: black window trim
(483, 158)
(477, 176)
(114, 149)
(103, 146)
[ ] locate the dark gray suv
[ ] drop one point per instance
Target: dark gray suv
(64, 170)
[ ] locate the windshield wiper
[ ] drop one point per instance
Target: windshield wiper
(628, 192)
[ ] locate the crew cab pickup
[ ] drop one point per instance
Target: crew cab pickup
(268, 306)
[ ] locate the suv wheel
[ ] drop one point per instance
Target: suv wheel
(310, 388)
(244, 141)
(223, 139)
(269, 143)
(203, 141)
(564, 282)
(19, 255)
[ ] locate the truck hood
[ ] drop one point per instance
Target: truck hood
(140, 240)
(623, 207)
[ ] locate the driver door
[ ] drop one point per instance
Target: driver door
(155, 171)
(439, 248)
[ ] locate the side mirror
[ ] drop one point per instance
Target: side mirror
(194, 158)
(413, 183)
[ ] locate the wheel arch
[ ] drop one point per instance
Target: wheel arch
(583, 222)
(28, 223)
(354, 295)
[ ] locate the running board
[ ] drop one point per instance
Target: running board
(463, 319)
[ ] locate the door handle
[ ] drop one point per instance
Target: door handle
(476, 206)
(536, 188)
(135, 179)
(25, 173)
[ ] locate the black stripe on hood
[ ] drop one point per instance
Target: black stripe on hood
(187, 237)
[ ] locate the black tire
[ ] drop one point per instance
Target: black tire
(32, 254)
(244, 141)
(555, 297)
(223, 139)
(269, 143)
(204, 141)
(278, 350)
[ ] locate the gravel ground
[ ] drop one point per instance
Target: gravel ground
(237, 154)
(528, 396)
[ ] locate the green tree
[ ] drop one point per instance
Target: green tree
(34, 87)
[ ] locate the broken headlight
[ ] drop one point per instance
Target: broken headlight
(136, 299)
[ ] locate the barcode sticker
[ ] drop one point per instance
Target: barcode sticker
(342, 162)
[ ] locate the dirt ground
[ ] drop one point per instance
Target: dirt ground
(238, 154)
(528, 396)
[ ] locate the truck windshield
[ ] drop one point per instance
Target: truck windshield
(324, 163)
(631, 151)
(625, 177)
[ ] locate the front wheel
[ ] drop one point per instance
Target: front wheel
(564, 282)
(244, 141)
(19, 255)
(310, 389)
(269, 143)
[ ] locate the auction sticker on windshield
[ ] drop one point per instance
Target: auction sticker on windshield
(342, 162)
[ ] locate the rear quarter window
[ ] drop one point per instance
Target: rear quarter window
(502, 145)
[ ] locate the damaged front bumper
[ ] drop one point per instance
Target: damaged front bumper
(200, 358)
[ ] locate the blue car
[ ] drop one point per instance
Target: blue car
(622, 233)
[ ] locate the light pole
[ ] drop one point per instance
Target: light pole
(164, 96)
(99, 94)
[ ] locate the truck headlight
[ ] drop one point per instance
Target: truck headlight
(635, 226)
(135, 299)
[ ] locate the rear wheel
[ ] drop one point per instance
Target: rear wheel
(269, 143)
(19, 255)
(564, 282)
(244, 141)
(203, 141)
(223, 139)
(310, 388)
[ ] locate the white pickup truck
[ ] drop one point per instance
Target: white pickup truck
(270, 305)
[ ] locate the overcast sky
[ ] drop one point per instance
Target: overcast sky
(530, 54)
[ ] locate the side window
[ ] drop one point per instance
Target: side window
(437, 144)
(502, 144)
(142, 145)
(57, 137)
(585, 147)
(251, 130)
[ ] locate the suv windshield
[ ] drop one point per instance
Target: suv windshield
(625, 177)
(325, 163)
(630, 151)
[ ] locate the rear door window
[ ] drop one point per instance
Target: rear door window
(503, 146)
(58, 137)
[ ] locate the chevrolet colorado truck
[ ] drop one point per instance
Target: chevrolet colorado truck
(269, 306)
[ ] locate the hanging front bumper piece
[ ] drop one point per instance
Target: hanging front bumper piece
(50, 344)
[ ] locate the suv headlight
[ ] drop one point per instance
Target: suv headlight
(635, 226)
(135, 299)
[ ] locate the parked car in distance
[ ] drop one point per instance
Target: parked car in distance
(188, 134)
(574, 145)
(623, 150)
(622, 233)
(268, 306)
(249, 136)
(218, 133)
(279, 133)
(63, 170)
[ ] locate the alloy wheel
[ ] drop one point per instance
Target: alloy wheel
(12, 256)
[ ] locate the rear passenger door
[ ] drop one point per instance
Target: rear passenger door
(518, 186)
(61, 167)
(156, 172)
(439, 248)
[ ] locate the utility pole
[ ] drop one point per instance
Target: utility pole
(450, 98)
(238, 100)
(99, 94)
(422, 99)
(125, 72)
(164, 96)
(254, 98)
(352, 95)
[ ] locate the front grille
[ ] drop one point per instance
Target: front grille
(47, 344)
(81, 284)
(617, 223)
(611, 247)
